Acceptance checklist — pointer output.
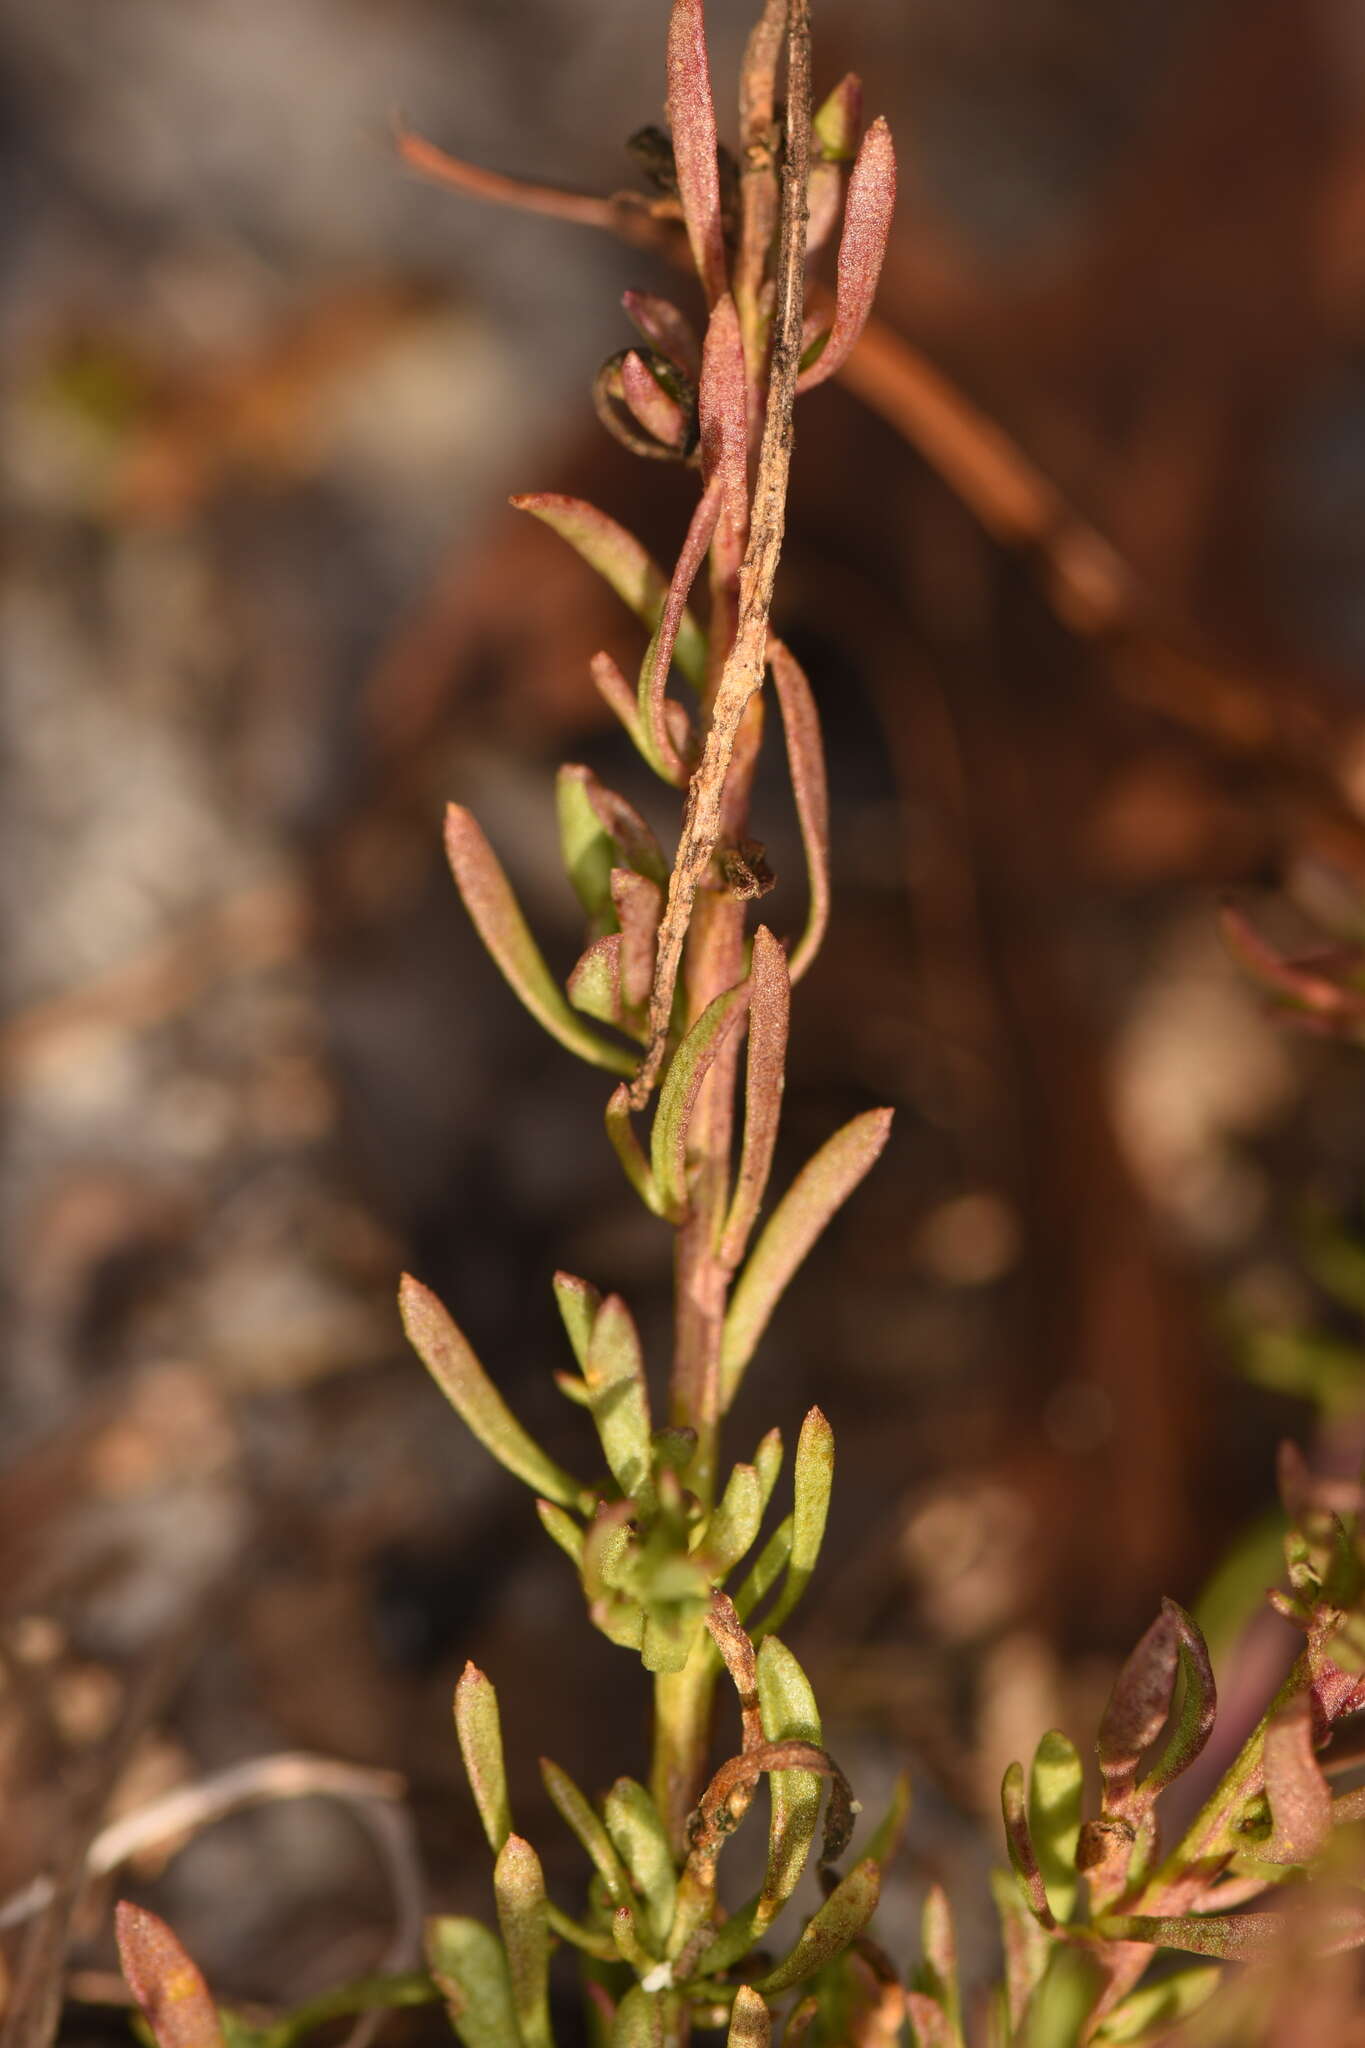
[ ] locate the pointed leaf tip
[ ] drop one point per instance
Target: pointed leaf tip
(692, 121)
(445, 1352)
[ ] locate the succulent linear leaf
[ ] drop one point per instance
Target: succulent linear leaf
(479, 1728)
(468, 1963)
(167, 1985)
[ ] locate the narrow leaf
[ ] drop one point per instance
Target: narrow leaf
(651, 698)
(817, 1193)
(1054, 1818)
(443, 1350)
(806, 767)
(519, 1888)
(722, 418)
(868, 209)
(468, 1964)
(886, 1836)
(929, 2023)
(692, 121)
(658, 412)
(1300, 1800)
(768, 1464)
(839, 1921)
(578, 1302)
(636, 846)
(789, 1713)
(615, 1373)
(765, 1571)
(765, 1078)
(638, 904)
(506, 936)
(621, 561)
(479, 1729)
(734, 1522)
(585, 845)
(836, 123)
(1233, 1937)
(1138, 1707)
(751, 2023)
(641, 1841)
(1064, 2003)
(563, 1529)
(938, 1971)
(665, 328)
(575, 1810)
(1020, 1845)
(1025, 1944)
(167, 1985)
(687, 1070)
(812, 1484)
(800, 2021)
(594, 986)
(1197, 1706)
(616, 692)
(639, 2021)
(630, 1152)
(1155, 2008)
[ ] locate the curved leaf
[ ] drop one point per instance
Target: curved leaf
(828, 1933)
(764, 1081)
(623, 563)
(687, 1070)
(641, 1840)
(1054, 1818)
(868, 207)
(787, 1706)
(810, 788)
(479, 1728)
(812, 1484)
(692, 123)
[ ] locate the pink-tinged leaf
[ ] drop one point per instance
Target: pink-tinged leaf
(622, 823)
(659, 656)
(692, 122)
(764, 1081)
(938, 1944)
(1138, 1707)
(837, 122)
(595, 984)
(810, 788)
(751, 2023)
(722, 417)
(578, 1302)
(1196, 1707)
(166, 1984)
(519, 1889)
(621, 561)
(817, 1193)
(657, 411)
(687, 1069)
(1018, 1840)
(803, 2018)
(862, 246)
(599, 831)
(616, 692)
(630, 1152)
(824, 196)
(665, 328)
(442, 1348)
(1301, 983)
(615, 1373)
(498, 920)
(639, 905)
(930, 2023)
(1025, 1943)
(479, 1728)
(831, 1929)
(1300, 1801)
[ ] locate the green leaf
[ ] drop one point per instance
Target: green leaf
(751, 2023)
(1197, 1704)
(1054, 1818)
(578, 1302)
(639, 2021)
(468, 1964)
(615, 1373)
(641, 1841)
(630, 1152)
(594, 986)
(586, 848)
(619, 558)
(687, 1070)
(786, 1703)
(768, 1464)
(1155, 2008)
(564, 1530)
(810, 788)
(765, 1570)
(838, 1922)
(937, 1975)
(479, 1729)
(734, 1523)
(1059, 2014)
(886, 1836)
(576, 1811)
(638, 904)
(1236, 1937)
(519, 1888)
(819, 1190)
(812, 1484)
(166, 1983)
(765, 1078)
(447, 1356)
(506, 936)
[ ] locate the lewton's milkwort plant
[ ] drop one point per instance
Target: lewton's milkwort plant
(689, 1009)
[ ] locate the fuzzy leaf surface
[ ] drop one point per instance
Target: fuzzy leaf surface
(167, 1985)
(479, 1728)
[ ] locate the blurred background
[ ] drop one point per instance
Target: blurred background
(263, 610)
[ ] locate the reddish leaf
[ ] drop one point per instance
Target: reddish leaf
(663, 754)
(1018, 1840)
(765, 1078)
(665, 328)
(692, 120)
(164, 1981)
(639, 904)
(1300, 1801)
(621, 561)
(806, 766)
(1138, 1706)
(862, 246)
(687, 1069)
(658, 412)
(722, 416)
